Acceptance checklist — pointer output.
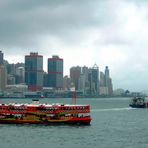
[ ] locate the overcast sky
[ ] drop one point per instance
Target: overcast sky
(82, 32)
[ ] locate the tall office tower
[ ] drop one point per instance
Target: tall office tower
(81, 86)
(20, 75)
(102, 79)
(103, 90)
(108, 81)
(55, 72)
(75, 75)
(85, 71)
(66, 83)
(34, 71)
(106, 76)
(1, 58)
(94, 80)
(11, 69)
(3, 77)
(45, 79)
(110, 87)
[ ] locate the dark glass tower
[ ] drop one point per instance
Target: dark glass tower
(106, 76)
(1, 58)
(55, 72)
(34, 71)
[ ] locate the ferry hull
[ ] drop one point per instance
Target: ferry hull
(137, 106)
(145, 105)
(74, 121)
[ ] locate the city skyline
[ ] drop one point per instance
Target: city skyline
(31, 76)
(109, 33)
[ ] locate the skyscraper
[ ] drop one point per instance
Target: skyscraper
(85, 71)
(81, 86)
(75, 75)
(3, 73)
(103, 90)
(3, 77)
(93, 78)
(66, 83)
(20, 75)
(106, 76)
(108, 81)
(102, 79)
(55, 72)
(34, 71)
(1, 58)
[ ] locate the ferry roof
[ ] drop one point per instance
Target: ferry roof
(41, 104)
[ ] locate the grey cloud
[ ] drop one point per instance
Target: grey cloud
(24, 23)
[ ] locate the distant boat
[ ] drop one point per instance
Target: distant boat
(138, 102)
(36, 113)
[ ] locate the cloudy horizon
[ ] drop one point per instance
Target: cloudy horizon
(109, 33)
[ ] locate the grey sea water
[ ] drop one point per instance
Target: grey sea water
(114, 125)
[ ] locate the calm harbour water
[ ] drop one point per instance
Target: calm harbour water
(114, 125)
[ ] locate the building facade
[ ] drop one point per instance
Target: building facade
(3, 77)
(93, 78)
(34, 71)
(75, 76)
(20, 75)
(102, 79)
(1, 58)
(81, 86)
(55, 72)
(3, 73)
(106, 76)
(66, 83)
(106, 87)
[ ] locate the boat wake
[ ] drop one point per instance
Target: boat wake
(111, 109)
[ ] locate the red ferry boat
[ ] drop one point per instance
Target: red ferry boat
(36, 113)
